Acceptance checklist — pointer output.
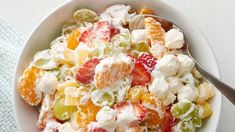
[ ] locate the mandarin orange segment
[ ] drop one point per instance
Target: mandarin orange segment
(27, 86)
(86, 114)
(149, 99)
(145, 10)
(153, 119)
(154, 30)
(72, 39)
(112, 71)
(135, 93)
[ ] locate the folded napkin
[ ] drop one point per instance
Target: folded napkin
(11, 43)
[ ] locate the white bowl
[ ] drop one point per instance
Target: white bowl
(26, 116)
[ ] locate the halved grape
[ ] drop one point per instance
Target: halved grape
(197, 122)
(142, 47)
(43, 60)
(122, 41)
(102, 97)
(185, 126)
(61, 111)
(98, 49)
(69, 26)
(182, 110)
(204, 110)
(85, 15)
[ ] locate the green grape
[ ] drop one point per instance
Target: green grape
(197, 82)
(85, 15)
(43, 60)
(98, 49)
(183, 110)
(185, 126)
(106, 98)
(142, 47)
(69, 26)
(122, 41)
(61, 111)
(102, 97)
(197, 122)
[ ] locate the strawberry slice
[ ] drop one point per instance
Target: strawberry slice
(137, 109)
(140, 111)
(148, 60)
(85, 37)
(86, 72)
(98, 129)
(114, 31)
(140, 74)
(168, 122)
(101, 31)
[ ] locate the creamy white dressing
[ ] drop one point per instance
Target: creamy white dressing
(168, 65)
(126, 116)
(187, 93)
(66, 127)
(107, 116)
(186, 64)
(44, 60)
(48, 83)
(174, 39)
(174, 84)
(159, 88)
(138, 35)
(120, 18)
(52, 126)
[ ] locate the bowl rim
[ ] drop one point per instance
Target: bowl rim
(62, 5)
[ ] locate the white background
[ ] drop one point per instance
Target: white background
(215, 18)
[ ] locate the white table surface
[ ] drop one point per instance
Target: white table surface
(215, 18)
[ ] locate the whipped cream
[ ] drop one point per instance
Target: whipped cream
(188, 79)
(169, 98)
(93, 126)
(97, 97)
(58, 47)
(138, 35)
(66, 127)
(107, 116)
(187, 93)
(126, 116)
(159, 87)
(52, 126)
(174, 84)
(186, 64)
(174, 39)
(43, 59)
(168, 65)
(120, 18)
(48, 83)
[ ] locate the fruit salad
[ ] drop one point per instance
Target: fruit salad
(101, 76)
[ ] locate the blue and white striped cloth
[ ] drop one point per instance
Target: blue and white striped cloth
(11, 44)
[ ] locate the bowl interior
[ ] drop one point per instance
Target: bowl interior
(50, 27)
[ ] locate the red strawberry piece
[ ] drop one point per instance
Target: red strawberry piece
(120, 105)
(101, 31)
(85, 37)
(86, 72)
(140, 111)
(114, 31)
(148, 60)
(141, 75)
(98, 129)
(168, 122)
